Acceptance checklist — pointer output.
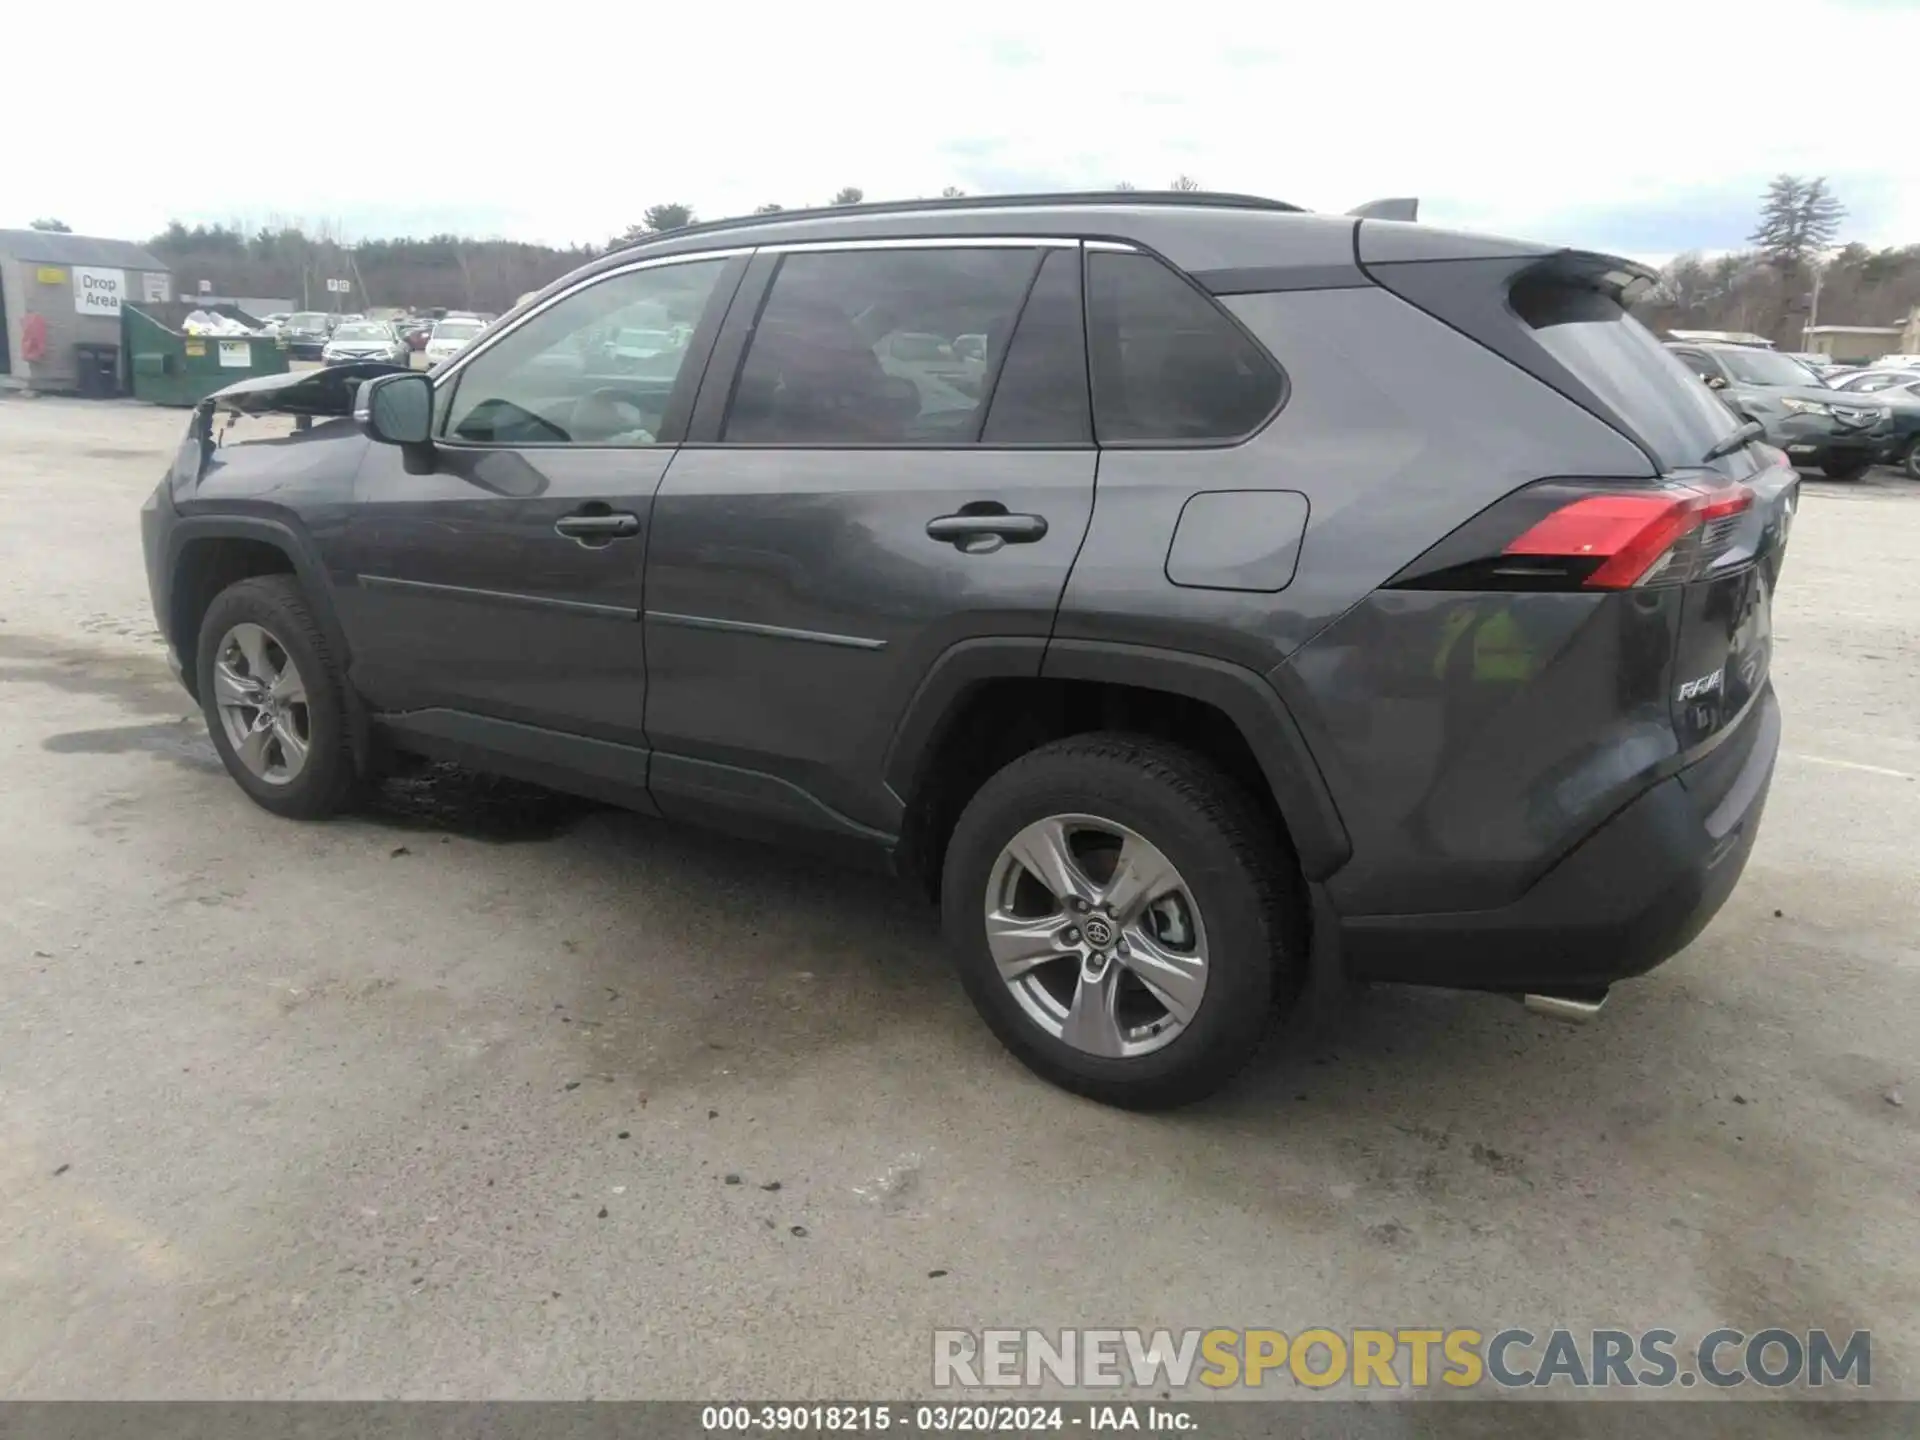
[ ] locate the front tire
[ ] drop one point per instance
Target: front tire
(1844, 469)
(1122, 916)
(274, 699)
(1910, 462)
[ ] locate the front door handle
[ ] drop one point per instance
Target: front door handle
(598, 529)
(967, 530)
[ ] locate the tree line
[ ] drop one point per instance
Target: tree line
(293, 260)
(1793, 276)
(1770, 288)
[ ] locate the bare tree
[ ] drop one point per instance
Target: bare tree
(849, 195)
(952, 192)
(770, 208)
(1184, 183)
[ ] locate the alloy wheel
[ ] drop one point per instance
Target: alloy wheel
(1096, 935)
(262, 700)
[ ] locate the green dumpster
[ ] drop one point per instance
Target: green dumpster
(167, 366)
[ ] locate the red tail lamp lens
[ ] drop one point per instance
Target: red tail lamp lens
(1636, 537)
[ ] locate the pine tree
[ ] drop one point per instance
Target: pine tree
(1798, 219)
(667, 217)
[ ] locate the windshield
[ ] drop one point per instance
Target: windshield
(1766, 367)
(456, 330)
(308, 320)
(362, 332)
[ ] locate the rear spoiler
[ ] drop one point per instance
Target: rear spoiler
(1626, 281)
(1406, 208)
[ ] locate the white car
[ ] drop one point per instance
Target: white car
(1871, 382)
(449, 337)
(364, 340)
(1897, 362)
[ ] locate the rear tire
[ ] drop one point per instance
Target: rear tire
(1844, 470)
(275, 700)
(1910, 462)
(1218, 909)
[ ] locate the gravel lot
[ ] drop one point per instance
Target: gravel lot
(448, 1100)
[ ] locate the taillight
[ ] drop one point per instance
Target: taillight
(1570, 535)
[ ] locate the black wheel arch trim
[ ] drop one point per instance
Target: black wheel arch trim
(1246, 698)
(1256, 709)
(307, 568)
(956, 670)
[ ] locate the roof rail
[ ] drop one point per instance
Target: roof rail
(1405, 208)
(1212, 198)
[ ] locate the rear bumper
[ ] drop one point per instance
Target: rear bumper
(1636, 891)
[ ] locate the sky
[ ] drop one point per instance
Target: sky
(1638, 128)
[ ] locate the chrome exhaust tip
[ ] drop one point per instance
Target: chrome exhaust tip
(1572, 1009)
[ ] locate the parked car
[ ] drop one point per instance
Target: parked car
(274, 323)
(1899, 391)
(449, 337)
(1870, 381)
(1721, 337)
(366, 340)
(306, 334)
(1897, 362)
(1469, 689)
(1815, 424)
(1819, 364)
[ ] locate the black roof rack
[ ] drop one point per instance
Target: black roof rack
(1211, 198)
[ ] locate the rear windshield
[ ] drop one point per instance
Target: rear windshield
(1621, 361)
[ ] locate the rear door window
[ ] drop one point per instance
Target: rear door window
(1621, 362)
(1168, 363)
(869, 347)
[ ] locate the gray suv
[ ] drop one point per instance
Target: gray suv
(1276, 590)
(1841, 434)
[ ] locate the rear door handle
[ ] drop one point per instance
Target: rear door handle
(1013, 529)
(598, 529)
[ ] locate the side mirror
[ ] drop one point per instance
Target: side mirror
(396, 409)
(1716, 382)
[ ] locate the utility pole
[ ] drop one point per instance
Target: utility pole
(1816, 263)
(353, 263)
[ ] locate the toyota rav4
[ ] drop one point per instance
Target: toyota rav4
(1284, 589)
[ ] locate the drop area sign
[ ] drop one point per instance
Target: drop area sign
(99, 292)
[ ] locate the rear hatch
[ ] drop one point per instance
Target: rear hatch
(1710, 521)
(1731, 561)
